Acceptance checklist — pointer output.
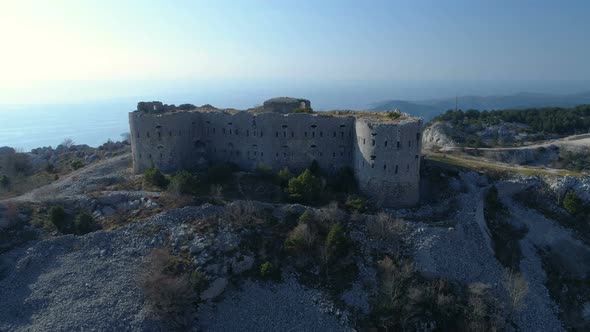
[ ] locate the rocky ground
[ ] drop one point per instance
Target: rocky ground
(90, 282)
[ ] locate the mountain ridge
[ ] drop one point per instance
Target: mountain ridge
(429, 108)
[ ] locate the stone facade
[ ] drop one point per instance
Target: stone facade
(383, 152)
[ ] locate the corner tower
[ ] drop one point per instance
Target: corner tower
(387, 158)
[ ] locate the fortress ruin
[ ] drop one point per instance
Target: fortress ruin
(382, 148)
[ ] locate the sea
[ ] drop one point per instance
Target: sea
(26, 126)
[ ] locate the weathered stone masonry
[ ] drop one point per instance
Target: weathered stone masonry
(383, 152)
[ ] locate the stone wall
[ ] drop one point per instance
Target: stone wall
(384, 155)
(387, 161)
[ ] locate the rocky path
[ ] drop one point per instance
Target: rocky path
(543, 233)
(463, 252)
(286, 306)
(90, 178)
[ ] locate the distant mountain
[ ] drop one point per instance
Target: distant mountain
(430, 108)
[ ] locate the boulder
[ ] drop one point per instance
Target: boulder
(108, 211)
(242, 265)
(438, 136)
(112, 199)
(6, 150)
(215, 289)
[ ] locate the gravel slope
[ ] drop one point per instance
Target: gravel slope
(86, 282)
(286, 306)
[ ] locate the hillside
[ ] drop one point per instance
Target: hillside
(430, 108)
(227, 250)
(551, 136)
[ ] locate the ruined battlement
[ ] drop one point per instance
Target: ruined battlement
(382, 148)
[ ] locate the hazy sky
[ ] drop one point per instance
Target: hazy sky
(44, 42)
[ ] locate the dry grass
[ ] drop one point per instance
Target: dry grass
(384, 227)
(481, 165)
(517, 288)
(167, 289)
(245, 213)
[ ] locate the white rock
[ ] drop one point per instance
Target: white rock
(215, 289)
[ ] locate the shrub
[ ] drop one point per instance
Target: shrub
(304, 188)
(356, 204)
(573, 204)
(267, 270)
(50, 168)
(305, 218)
(300, 238)
(385, 227)
(58, 217)
(77, 164)
(168, 289)
(84, 223)
(68, 142)
(15, 163)
(336, 241)
(183, 183)
(154, 177)
(4, 182)
(284, 176)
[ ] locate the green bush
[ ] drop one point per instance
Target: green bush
(77, 164)
(84, 223)
(58, 217)
(4, 182)
(154, 177)
(185, 183)
(50, 168)
(356, 204)
(284, 176)
(304, 188)
(267, 270)
(336, 239)
(305, 218)
(573, 204)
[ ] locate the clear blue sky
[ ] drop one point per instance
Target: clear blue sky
(51, 41)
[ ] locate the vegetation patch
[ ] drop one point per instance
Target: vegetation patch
(570, 212)
(569, 291)
(545, 121)
(170, 288)
(408, 302)
(505, 236)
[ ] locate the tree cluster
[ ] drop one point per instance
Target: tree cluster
(550, 120)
